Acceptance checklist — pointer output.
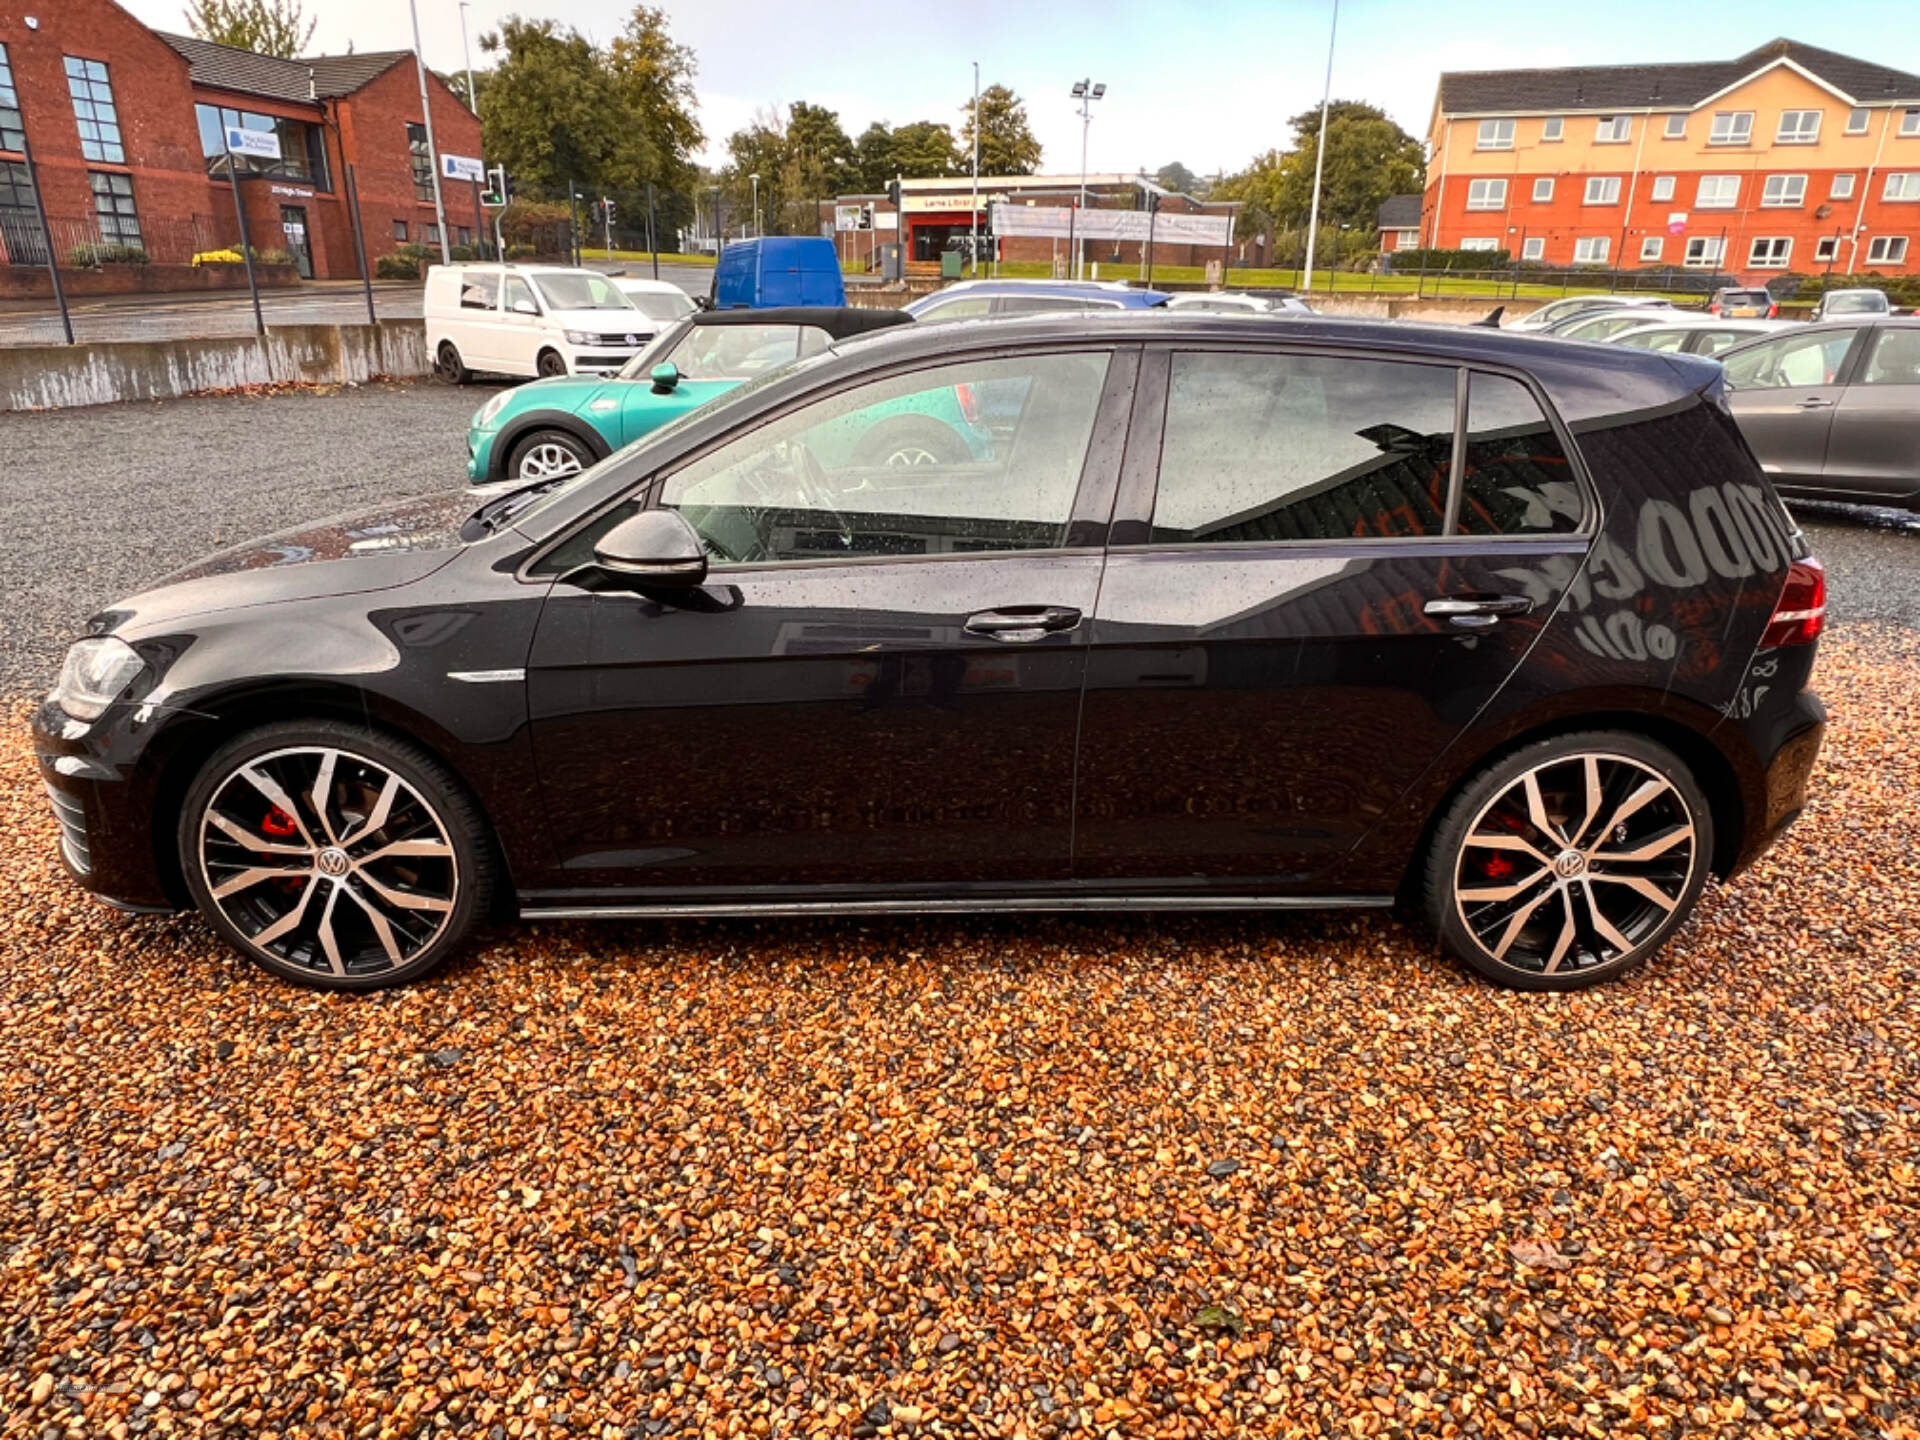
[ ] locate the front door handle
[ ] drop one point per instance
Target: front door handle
(1023, 624)
(1477, 612)
(1815, 402)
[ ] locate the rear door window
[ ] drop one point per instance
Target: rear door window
(1712, 342)
(1796, 360)
(1267, 447)
(1655, 339)
(480, 291)
(1518, 479)
(1895, 359)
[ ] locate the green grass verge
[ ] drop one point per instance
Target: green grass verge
(594, 252)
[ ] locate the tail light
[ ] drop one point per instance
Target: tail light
(969, 403)
(1773, 309)
(1801, 612)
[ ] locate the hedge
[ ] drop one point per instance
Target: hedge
(93, 256)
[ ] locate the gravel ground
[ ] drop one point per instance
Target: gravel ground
(984, 1178)
(105, 500)
(1872, 558)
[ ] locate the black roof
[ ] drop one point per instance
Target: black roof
(1399, 212)
(321, 77)
(1678, 87)
(842, 322)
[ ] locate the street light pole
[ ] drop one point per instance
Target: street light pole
(473, 102)
(433, 151)
(756, 202)
(1320, 152)
(973, 225)
(1086, 92)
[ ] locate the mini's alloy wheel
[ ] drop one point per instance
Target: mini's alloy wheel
(548, 455)
(336, 858)
(1570, 864)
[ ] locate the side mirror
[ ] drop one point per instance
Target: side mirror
(665, 376)
(525, 307)
(653, 548)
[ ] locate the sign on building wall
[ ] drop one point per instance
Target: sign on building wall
(1059, 222)
(462, 167)
(261, 144)
(852, 217)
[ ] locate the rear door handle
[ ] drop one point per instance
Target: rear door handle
(1023, 624)
(1814, 402)
(1477, 612)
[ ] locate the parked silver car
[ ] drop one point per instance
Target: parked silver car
(1833, 409)
(1697, 334)
(1836, 303)
(1554, 311)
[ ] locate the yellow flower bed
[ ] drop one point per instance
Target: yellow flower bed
(220, 257)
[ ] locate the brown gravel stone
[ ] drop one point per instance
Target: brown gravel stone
(951, 1178)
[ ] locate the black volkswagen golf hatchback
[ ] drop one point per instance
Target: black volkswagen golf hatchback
(1184, 612)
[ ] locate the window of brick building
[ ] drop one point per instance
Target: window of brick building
(113, 207)
(94, 112)
(422, 162)
(400, 231)
(13, 130)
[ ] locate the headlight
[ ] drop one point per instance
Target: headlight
(95, 674)
(490, 411)
(581, 337)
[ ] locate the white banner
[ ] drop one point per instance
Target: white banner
(462, 167)
(262, 144)
(1058, 222)
(852, 217)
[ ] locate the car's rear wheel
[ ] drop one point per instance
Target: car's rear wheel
(335, 856)
(548, 455)
(910, 441)
(1570, 861)
(449, 367)
(550, 364)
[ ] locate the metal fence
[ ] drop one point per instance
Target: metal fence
(85, 242)
(1512, 279)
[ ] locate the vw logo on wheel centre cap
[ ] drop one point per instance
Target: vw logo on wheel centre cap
(333, 862)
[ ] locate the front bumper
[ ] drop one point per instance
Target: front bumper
(480, 456)
(104, 803)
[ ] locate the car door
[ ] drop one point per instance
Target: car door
(1289, 630)
(878, 684)
(520, 327)
(1783, 394)
(476, 327)
(1874, 447)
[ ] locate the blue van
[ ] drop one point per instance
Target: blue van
(778, 270)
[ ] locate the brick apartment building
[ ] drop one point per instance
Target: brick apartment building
(1789, 158)
(127, 129)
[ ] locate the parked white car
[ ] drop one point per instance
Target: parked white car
(529, 320)
(1554, 311)
(1240, 302)
(1695, 334)
(659, 301)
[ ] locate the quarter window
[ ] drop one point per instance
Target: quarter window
(1486, 194)
(1603, 190)
(1798, 127)
(113, 208)
(1543, 190)
(1518, 481)
(13, 130)
(980, 457)
(1896, 359)
(1303, 447)
(1887, 250)
(422, 157)
(1812, 359)
(1612, 130)
(1770, 252)
(1783, 191)
(1717, 192)
(1731, 127)
(1662, 187)
(1495, 135)
(94, 112)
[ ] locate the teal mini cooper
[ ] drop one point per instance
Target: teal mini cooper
(551, 428)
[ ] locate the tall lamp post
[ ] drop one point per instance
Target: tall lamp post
(473, 100)
(755, 178)
(973, 225)
(1086, 92)
(1320, 152)
(433, 151)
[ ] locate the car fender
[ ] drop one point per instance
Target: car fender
(527, 422)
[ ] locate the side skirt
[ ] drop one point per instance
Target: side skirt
(1023, 904)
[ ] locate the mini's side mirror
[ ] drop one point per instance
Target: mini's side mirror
(653, 548)
(665, 376)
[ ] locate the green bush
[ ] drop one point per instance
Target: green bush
(1407, 262)
(397, 266)
(272, 257)
(463, 253)
(1903, 291)
(93, 256)
(520, 252)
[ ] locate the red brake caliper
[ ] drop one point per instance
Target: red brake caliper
(278, 823)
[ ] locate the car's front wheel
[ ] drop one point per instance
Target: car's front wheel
(911, 440)
(335, 856)
(548, 455)
(1570, 861)
(550, 364)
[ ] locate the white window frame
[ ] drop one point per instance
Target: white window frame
(1662, 188)
(1652, 247)
(1613, 130)
(1498, 140)
(1711, 247)
(1826, 249)
(1676, 128)
(1842, 186)
(1596, 248)
(1902, 186)
(1783, 192)
(1857, 119)
(1909, 123)
(1480, 242)
(1737, 128)
(1492, 191)
(1607, 188)
(1542, 189)
(1778, 250)
(1703, 201)
(1887, 250)
(1406, 239)
(1534, 247)
(1553, 129)
(1799, 133)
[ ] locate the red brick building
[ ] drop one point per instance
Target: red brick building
(127, 131)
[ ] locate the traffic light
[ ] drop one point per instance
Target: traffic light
(893, 193)
(499, 188)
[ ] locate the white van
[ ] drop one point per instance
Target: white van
(530, 320)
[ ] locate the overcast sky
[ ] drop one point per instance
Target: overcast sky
(1209, 84)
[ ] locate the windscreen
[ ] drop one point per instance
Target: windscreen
(580, 290)
(658, 305)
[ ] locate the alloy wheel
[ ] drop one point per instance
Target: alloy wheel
(549, 461)
(1575, 864)
(912, 455)
(328, 861)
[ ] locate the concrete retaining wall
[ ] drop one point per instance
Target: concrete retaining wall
(52, 377)
(20, 282)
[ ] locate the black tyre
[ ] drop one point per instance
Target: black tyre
(1570, 861)
(550, 364)
(548, 455)
(911, 440)
(335, 856)
(448, 367)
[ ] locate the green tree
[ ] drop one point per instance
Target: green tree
(554, 112)
(819, 148)
(924, 149)
(1007, 146)
(1175, 176)
(1368, 158)
(654, 76)
(267, 27)
(758, 149)
(874, 158)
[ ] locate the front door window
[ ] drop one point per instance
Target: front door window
(293, 224)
